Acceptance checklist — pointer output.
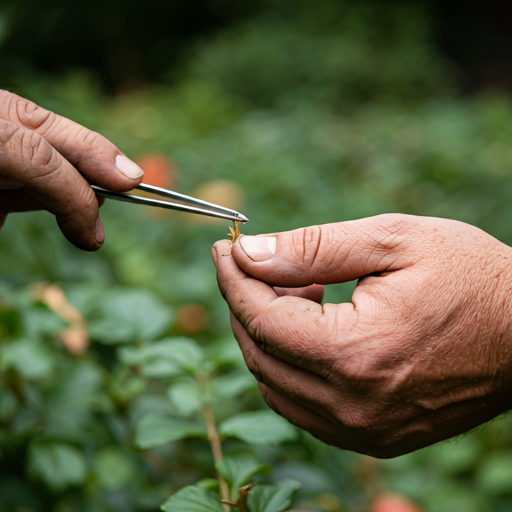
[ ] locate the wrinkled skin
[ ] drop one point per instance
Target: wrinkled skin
(46, 162)
(422, 353)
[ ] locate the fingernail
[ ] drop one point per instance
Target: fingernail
(259, 248)
(128, 168)
(100, 231)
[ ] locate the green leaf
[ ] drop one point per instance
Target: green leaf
(114, 468)
(495, 474)
(272, 498)
(210, 484)
(159, 429)
(261, 427)
(70, 403)
(193, 499)
(131, 315)
(10, 323)
(59, 465)
(39, 321)
(109, 331)
(167, 358)
(8, 404)
(237, 472)
(458, 456)
(30, 358)
(232, 384)
(226, 352)
(185, 397)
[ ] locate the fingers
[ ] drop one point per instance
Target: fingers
(315, 292)
(303, 386)
(306, 419)
(331, 253)
(19, 201)
(39, 176)
(97, 159)
(288, 327)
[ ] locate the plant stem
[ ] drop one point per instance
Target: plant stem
(213, 437)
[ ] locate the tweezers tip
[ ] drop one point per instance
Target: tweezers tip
(242, 218)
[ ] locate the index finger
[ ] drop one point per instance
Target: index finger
(297, 330)
(96, 158)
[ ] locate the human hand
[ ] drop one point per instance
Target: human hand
(45, 161)
(423, 352)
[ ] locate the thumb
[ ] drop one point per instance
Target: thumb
(327, 254)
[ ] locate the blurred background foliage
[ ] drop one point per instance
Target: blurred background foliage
(295, 113)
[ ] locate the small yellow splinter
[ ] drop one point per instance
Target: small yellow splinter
(234, 233)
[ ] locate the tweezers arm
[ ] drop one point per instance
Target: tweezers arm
(119, 196)
(162, 192)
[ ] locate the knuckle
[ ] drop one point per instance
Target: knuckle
(388, 240)
(255, 328)
(34, 155)
(89, 140)
(27, 112)
(374, 439)
(394, 221)
(391, 231)
(38, 153)
(358, 420)
(83, 204)
(266, 394)
(9, 132)
(90, 146)
(269, 399)
(253, 364)
(89, 201)
(306, 244)
(356, 371)
(86, 201)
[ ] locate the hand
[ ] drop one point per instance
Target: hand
(45, 161)
(422, 353)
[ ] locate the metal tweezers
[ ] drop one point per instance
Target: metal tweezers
(196, 205)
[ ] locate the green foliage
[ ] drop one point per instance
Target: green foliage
(129, 315)
(262, 427)
(272, 498)
(59, 465)
(31, 359)
(237, 472)
(351, 117)
(114, 468)
(156, 430)
(193, 499)
(495, 473)
(166, 358)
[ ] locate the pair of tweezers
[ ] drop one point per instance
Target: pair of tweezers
(192, 205)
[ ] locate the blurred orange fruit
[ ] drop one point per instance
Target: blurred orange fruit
(391, 502)
(191, 318)
(159, 170)
(222, 192)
